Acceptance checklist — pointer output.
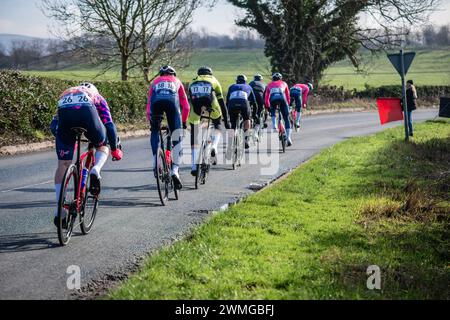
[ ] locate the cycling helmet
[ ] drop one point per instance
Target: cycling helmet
(310, 86)
(242, 78)
(167, 70)
(277, 76)
(204, 71)
(93, 89)
(258, 77)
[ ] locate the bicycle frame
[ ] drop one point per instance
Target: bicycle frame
(89, 155)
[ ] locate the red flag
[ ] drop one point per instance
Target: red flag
(390, 109)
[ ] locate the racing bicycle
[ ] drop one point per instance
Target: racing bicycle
(74, 198)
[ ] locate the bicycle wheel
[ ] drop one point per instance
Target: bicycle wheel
(206, 163)
(67, 205)
(89, 210)
(235, 149)
(197, 177)
(283, 142)
(161, 177)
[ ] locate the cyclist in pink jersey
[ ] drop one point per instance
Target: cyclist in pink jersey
(277, 94)
(167, 95)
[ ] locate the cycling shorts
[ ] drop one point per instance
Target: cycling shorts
(85, 117)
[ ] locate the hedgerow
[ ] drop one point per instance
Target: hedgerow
(28, 103)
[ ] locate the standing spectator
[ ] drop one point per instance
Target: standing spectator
(411, 97)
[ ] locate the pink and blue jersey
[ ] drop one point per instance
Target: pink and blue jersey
(276, 91)
(305, 91)
(168, 88)
(78, 97)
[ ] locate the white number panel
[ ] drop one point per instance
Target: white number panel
(238, 95)
(74, 98)
(201, 89)
(167, 86)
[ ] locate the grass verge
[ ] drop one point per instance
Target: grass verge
(367, 201)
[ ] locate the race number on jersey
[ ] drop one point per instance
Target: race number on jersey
(238, 95)
(74, 97)
(165, 87)
(201, 89)
(276, 91)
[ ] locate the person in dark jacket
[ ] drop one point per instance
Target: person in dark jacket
(411, 97)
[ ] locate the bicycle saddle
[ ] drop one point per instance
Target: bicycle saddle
(78, 130)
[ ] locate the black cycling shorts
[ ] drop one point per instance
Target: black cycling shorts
(85, 117)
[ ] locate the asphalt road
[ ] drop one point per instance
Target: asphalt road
(130, 221)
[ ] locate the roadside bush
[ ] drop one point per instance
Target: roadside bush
(28, 103)
(428, 95)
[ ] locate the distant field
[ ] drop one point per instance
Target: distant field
(430, 67)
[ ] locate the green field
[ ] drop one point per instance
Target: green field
(431, 67)
(368, 201)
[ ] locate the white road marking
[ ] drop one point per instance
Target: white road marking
(24, 187)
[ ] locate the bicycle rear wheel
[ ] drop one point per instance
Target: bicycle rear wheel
(89, 210)
(161, 178)
(67, 205)
(283, 143)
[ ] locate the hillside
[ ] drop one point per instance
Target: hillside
(6, 39)
(376, 70)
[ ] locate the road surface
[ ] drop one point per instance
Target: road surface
(130, 221)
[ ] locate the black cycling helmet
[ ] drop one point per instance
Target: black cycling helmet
(277, 76)
(242, 78)
(204, 71)
(310, 86)
(167, 70)
(258, 77)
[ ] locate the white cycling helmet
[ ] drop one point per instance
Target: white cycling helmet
(93, 89)
(310, 86)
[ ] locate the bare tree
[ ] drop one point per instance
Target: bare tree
(132, 33)
(161, 24)
(113, 21)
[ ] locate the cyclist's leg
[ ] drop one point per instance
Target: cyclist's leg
(216, 116)
(175, 127)
(96, 134)
(157, 114)
(194, 121)
(246, 114)
(298, 108)
(284, 109)
(65, 148)
(233, 115)
(273, 114)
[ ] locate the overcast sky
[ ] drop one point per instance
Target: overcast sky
(24, 17)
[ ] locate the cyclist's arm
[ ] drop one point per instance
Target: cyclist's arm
(54, 125)
(266, 98)
(149, 99)
(105, 115)
(228, 96)
(252, 97)
(305, 95)
(219, 94)
(287, 93)
(185, 107)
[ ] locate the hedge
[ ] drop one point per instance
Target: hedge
(28, 103)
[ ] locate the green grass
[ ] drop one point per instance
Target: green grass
(431, 67)
(367, 201)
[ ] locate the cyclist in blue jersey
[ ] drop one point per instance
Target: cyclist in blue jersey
(240, 97)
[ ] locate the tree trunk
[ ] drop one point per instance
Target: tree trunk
(124, 68)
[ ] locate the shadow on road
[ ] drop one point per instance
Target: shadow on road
(28, 242)
(130, 202)
(27, 205)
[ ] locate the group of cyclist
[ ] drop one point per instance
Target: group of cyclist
(84, 107)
